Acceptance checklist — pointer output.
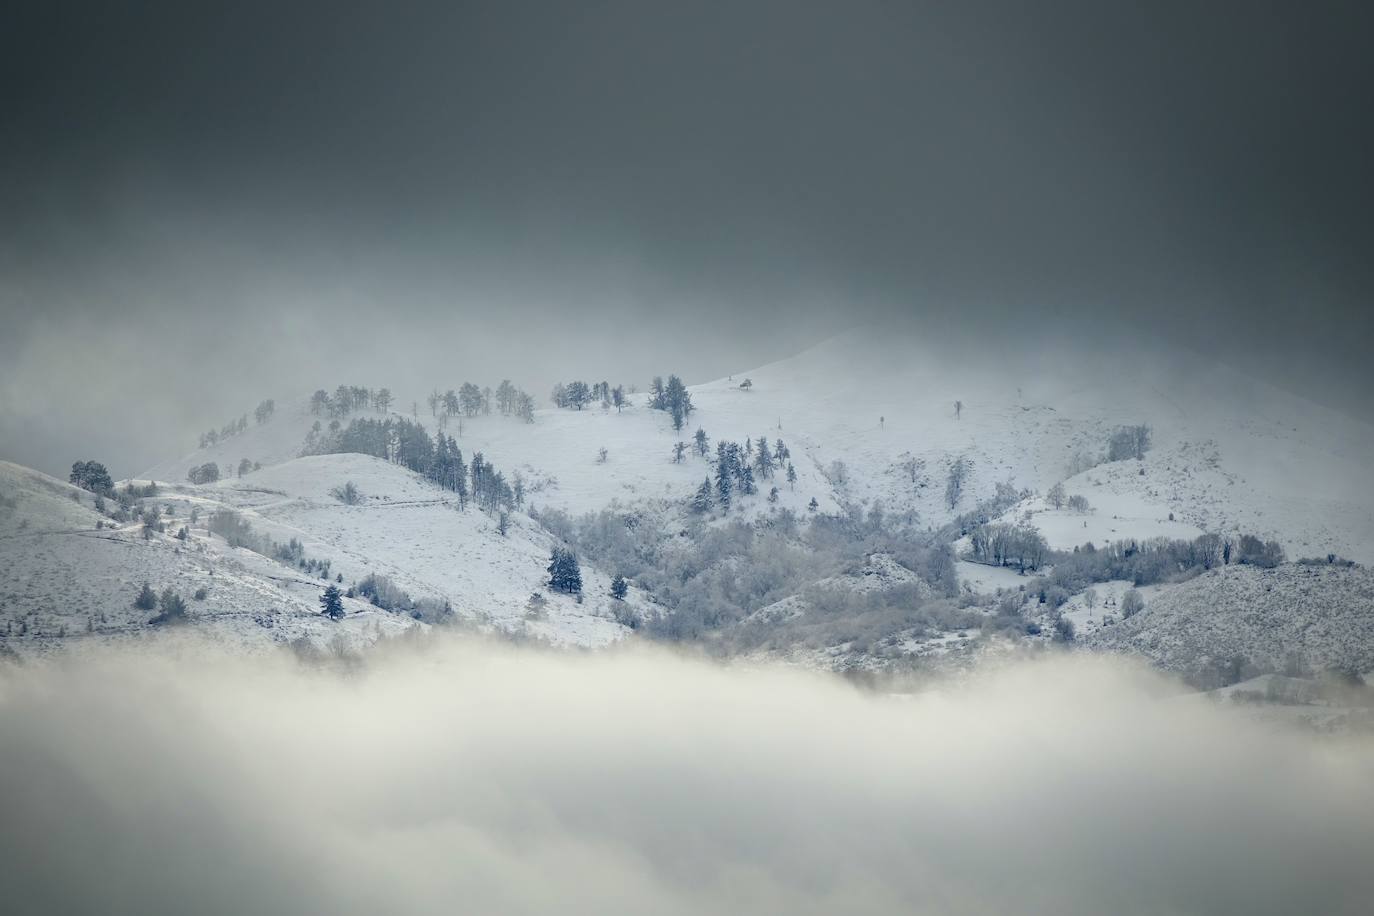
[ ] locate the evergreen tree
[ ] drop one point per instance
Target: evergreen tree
(724, 475)
(578, 394)
(677, 401)
(618, 397)
(619, 588)
(331, 603)
(92, 476)
(701, 441)
(565, 574)
(791, 476)
(679, 450)
(813, 505)
(702, 501)
(147, 598)
(763, 459)
(172, 607)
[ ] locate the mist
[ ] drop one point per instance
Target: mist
(160, 780)
(200, 208)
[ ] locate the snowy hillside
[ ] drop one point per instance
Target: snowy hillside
(66, 578)
(73, 571)
(411, 531)
(1229, 453)
(870, 419)
(1308, 617)
(872, 416)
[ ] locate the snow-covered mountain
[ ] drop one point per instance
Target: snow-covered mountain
(870, 418)
(1230, 453)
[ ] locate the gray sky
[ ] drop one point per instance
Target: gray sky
(200, 208)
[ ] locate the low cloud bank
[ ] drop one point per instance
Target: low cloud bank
(485, 780)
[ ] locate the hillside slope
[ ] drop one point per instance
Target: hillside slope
(1312, 617)
(67, 579)
(871, 415)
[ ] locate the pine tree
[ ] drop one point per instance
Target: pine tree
(331, 603)
(763, 459)
(564, 572)
(702, 501)
(791, 476)
(679, 450)
(677, 401)
(701, 441)
(619, 588)
(813, 505)
(147, 598)
(724, 476)
(172, 607)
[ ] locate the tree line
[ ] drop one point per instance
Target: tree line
(438, 459)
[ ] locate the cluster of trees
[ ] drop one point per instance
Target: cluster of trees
(437, 458)
(565, 574)
(470, 401)
(1158, 560)
(92, 476)
(228, 430)
(671, 397)
(737, 468)
(716, 577)
(1058, 500)
(262, 413)
(170, 605)
(1008, 545)
(204, 473)
(348, 398)
(1128, 442)
(577, 395)
(237, 532)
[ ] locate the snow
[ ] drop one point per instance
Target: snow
(1322, 614)
(869, 418)
(413, 532)
(988, 580)
(1230, 453)
(69, 579)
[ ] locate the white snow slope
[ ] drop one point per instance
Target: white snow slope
(1230, 453)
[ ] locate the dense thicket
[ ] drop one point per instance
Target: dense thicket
(708, 578)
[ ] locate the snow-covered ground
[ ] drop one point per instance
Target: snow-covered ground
(869, 417)
(1230, 453)
(66, 578)
(1317, 617)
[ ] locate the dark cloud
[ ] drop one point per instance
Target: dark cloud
(704, 187)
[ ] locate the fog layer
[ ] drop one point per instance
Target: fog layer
(496, 781)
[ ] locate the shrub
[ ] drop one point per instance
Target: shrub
(347, 494)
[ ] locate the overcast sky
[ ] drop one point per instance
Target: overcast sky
(200, 208)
